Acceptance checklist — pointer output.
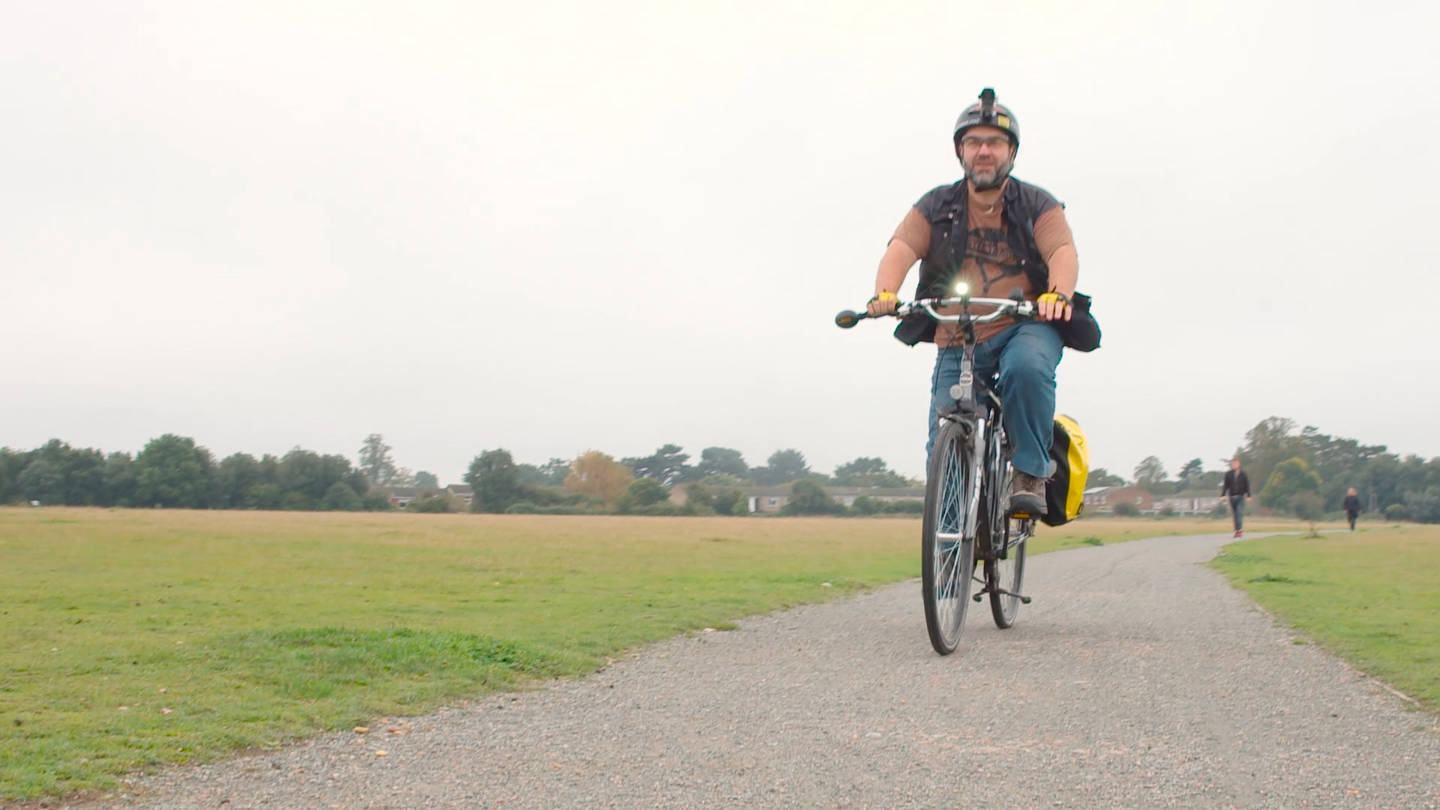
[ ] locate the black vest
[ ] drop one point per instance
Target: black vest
(947, 209)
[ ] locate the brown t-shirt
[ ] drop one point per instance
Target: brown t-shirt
(987, 265)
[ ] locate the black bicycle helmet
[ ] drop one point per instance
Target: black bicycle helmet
(987, 113)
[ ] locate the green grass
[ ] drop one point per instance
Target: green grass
(131, 639)
(1372, 597)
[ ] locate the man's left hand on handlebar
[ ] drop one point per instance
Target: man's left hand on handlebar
(883, 303)
(1052, 306)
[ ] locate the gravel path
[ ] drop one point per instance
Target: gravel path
(1138, 678)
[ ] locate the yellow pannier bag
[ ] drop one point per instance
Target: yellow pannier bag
(1065, 492)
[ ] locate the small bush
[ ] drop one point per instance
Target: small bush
(525, 508)
(433, 504)
(1126, 510)
(866, 505)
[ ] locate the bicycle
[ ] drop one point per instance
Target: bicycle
(967, 484)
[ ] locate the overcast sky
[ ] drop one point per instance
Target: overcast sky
(553, 227)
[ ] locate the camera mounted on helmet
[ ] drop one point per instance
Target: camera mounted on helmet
(988, 113)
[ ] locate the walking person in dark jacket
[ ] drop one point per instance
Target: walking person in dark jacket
(1352, 507)
(1237, 487)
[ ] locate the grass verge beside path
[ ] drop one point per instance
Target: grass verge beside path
(1371, 596)
(137, 638)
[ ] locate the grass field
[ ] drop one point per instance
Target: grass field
(131, 639)
(1372, 596)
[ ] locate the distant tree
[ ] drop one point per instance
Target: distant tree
(341, 498)
(868, 472)
(234, 477)
(722, 461)
(1289, 478)
(10, 467)
(1150, 475)
(1423, 505)
(436, 502)
(263, 496)
(646, 492)
(375, 460)
(119, 480)
(79, 478)
(305, 477)
(1189, 473)
(866, 505)
(83, 471)
(861, 466)
(783, 466)
(555, 471)
(698, 498)
(494, 481)
(426, 481)
(42, 481)
(173, 471)
(730, 502)
(1101, 477)
(1270, 442)
(808, 498)
(1126, 510)
(725, 481)
(1208, 480)
(597, 475)
(1308, 506)
(666, 465)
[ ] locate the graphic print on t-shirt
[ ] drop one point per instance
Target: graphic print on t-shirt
(987, 248)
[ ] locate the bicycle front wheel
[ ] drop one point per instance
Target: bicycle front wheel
(947, 555)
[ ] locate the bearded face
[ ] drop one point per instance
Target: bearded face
(987, 154)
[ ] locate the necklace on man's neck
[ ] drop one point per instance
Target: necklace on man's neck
(992, 206)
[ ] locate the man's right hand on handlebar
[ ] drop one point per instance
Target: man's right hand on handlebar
(883, 303)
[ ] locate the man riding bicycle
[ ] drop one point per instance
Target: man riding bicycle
(996, 234)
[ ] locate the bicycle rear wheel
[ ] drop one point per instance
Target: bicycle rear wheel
(1005, 576)
(947, 556)
(1005, 567)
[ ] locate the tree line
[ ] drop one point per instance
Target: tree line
(718, 483)
(1302, 471)
(1299, 470)
(173, 471)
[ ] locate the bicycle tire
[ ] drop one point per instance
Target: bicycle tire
(1007, 575)
(947, 557)
(1007, 535)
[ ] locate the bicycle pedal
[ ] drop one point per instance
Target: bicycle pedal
(1024, 600)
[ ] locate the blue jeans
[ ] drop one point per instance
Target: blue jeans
(1237, 510)
(1025, 357)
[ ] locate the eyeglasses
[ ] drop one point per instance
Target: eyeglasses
(971, 143)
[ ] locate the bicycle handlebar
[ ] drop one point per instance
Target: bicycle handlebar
(1002, 307)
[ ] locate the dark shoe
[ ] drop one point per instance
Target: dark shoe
(1027, 495)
